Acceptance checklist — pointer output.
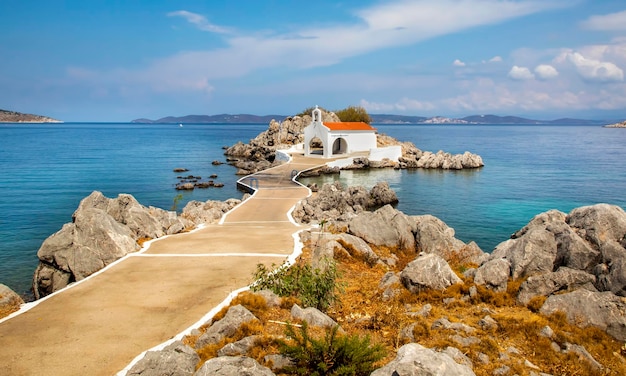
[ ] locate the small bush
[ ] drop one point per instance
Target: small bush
(313, 287)
(354, 113)
(332, 355)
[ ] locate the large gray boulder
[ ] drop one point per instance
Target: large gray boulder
(233, 366)
(93, 240)
(207, 212)
(564, 279)
(240, 347)
(176, 359)
(532, 253)
(351, 245)
(432, 235)
(312, 316)
(494, 274)
(384, 227)
(428, 271)
(227, 326)
(603, 310)
(144, 222)
(382, 194)
(333, 202)
(600, 224)
(102, 230)
(415, 360)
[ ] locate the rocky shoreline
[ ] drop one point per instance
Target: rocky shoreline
(18, 117)
(260, 153)
(616, 125)
(104, 229)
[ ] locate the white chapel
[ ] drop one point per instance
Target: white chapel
(338, 138)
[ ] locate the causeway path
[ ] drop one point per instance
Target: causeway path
(99, 325)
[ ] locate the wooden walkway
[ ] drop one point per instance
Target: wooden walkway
(99, 325)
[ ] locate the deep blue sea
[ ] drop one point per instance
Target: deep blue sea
(46, 169)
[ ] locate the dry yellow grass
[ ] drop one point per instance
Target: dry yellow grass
(361, 310)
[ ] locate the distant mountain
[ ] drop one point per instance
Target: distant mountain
(18, 117)
(207, 119)
(376, 119)
(396, 119)
(493, 119)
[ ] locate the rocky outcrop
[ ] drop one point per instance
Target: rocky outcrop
(577, 260)
(384, 227)
(413, 360)
(227, 326)
(585, 308)
(104, 229)
(428, 271)
(209, 211)
(10, 301)
(233, 366)
(340, 204)
(312, 316)
(260, 152)
(176, 359)
(447, 161)
(432, 235)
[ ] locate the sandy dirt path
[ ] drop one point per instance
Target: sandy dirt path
(99, 325)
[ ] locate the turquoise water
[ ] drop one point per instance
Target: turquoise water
(528, 170)
(47, 169)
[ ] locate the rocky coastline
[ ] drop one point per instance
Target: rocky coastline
(260, 153)
(617, 125)
(18, 117)
(105, 229)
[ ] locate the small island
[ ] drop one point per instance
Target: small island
(18, 117)
(617, 125)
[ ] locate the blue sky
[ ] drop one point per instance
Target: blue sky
(120, 60)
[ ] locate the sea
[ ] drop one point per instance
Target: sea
(46, 169)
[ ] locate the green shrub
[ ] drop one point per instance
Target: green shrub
(354, 113)
(313, 287)
(332, 355)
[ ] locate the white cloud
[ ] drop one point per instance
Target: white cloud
(545, 72)
(458, 63)
(520, 74)
(495, 59)
(607, 22)
(595, 70)
(199, 20)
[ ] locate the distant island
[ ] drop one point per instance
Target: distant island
(207, 119)
(617, 125)
(18, 117)
(376, 119)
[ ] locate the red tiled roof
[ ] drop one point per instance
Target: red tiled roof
(349, 126)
